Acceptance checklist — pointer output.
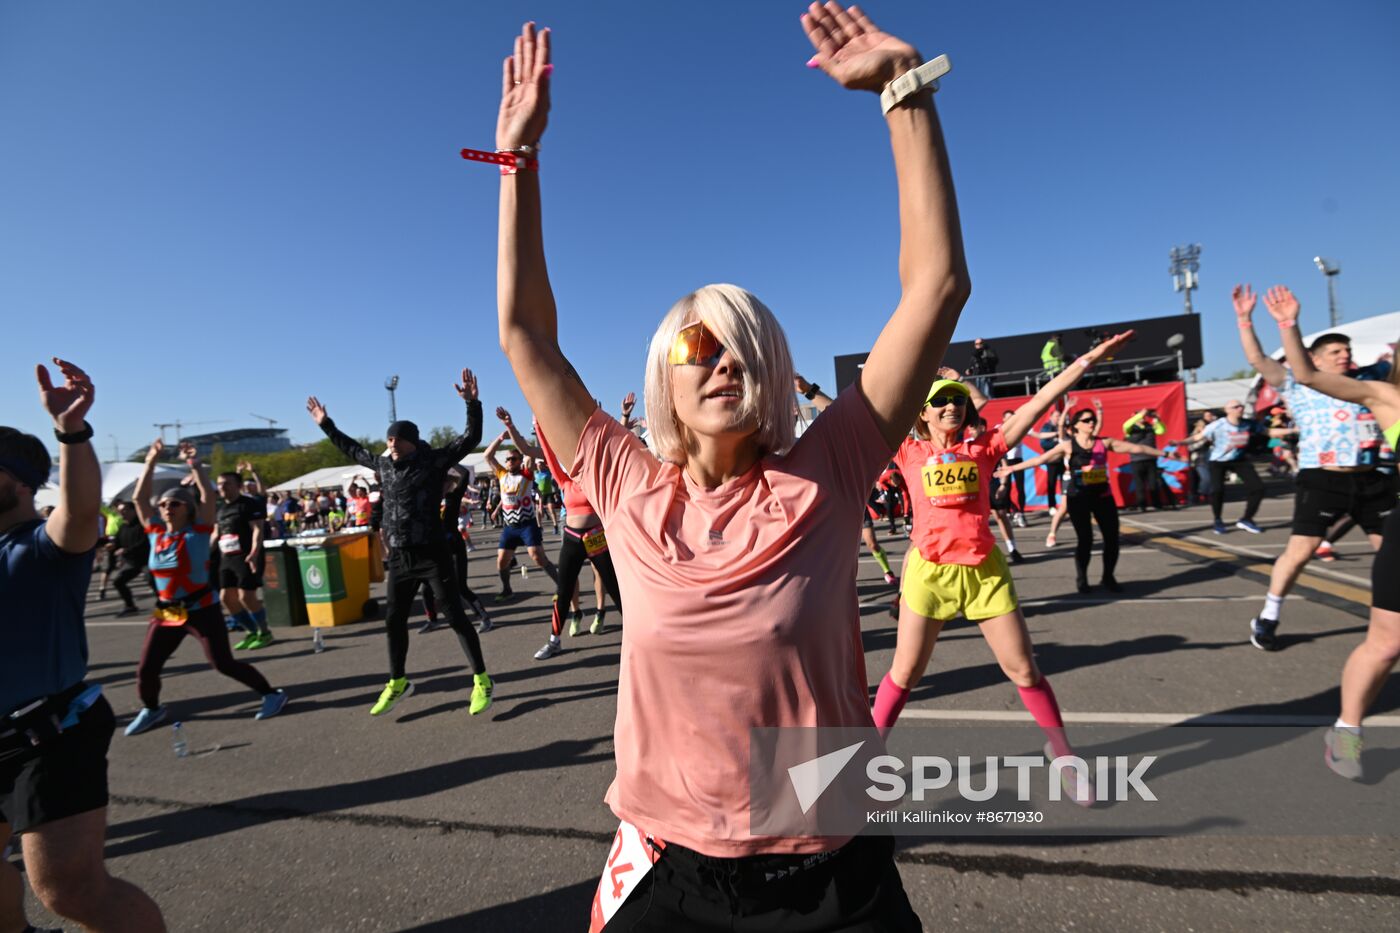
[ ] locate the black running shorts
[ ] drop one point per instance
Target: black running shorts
(1325, 496)
(234, 573)
(1385, 582)
(62, 778)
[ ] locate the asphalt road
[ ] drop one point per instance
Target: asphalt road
(431, 819)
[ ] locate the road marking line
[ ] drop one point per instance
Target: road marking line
(1148, 719)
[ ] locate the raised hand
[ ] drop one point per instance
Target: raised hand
(629, 402)
(1281, 305)
(1243, 298)
(503, 415)
(853, 50)
(801, 385)
(1109, 347)
(525, 91)
(317, 410)
(156, 449)
(188, 452)
(948, 372)
(467, 388)
(69, 403)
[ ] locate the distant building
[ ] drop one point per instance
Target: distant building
(243, 440)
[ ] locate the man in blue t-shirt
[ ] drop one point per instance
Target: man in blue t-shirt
(54, 727)
(1229, 439)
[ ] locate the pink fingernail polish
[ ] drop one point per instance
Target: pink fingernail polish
(547, 70)
(813, 63)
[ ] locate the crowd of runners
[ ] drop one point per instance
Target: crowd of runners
(721, 519)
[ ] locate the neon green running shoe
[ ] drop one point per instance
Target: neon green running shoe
(246, 643)
(261, 640)
(481, 693)
(597, 627)
(394, 691)
(575, 624)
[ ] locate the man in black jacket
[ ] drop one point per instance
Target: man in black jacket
(411, 475)
(132, 548)
(983, 364)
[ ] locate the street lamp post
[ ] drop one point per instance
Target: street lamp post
(391, 384)
(1330, 269)
(1185, 265)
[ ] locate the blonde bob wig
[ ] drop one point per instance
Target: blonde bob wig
(753, 336)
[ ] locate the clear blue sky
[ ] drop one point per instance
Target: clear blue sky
(219, 207)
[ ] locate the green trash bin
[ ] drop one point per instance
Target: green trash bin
(282, 590)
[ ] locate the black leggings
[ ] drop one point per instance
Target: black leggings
(1150, 490)
(1385, 582)
(409, 568)
(207, 625)
(1084, 509)
(125, 575)
(572, 557)
(458, 548)
(1253, 487)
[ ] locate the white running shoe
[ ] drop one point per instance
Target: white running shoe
(550, 649)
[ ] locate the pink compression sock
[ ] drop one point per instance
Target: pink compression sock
(889, 703)
(1040, 701)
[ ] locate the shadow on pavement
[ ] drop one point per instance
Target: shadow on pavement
(564, 909)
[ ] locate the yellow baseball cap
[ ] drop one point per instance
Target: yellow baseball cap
(947, 385)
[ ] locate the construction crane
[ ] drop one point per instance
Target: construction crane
(271, 422)
(177, 424)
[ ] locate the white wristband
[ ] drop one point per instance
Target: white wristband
(913, 81)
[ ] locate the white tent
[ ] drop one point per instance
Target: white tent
(341, 476)
(1202, 395)
(118, 481)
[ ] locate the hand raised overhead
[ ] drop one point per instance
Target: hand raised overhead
(1281, 305)
(67, 404)
(316, 409)
(525, 90)
(467, 388)
(853, 50)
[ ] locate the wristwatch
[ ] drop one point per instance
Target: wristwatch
(812, 390)
(913, 81)
(74, 437)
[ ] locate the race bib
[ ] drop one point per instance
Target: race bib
(950, 480)
(172, 615)
(1095, 476)
(229, 544)
(595, 542)
(633, 854)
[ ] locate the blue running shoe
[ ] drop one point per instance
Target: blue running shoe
(1249, 526)
(146, 720)
(1219, 528)
(273, 704)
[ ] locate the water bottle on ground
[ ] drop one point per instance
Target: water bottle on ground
(181, 743)
(318, 641)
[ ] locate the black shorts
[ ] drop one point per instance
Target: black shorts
(1325, 496)
(61, 778)
(1385, 582)
(857, 887)
(234, 573)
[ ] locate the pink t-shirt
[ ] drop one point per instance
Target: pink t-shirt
(741, 612)
(951, 491)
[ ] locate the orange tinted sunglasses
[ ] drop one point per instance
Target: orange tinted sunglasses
(696, 346)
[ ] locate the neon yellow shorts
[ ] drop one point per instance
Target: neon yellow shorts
(941, 591)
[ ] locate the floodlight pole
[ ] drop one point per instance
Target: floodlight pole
(392, 383)
(1331, 270)
(1185, 265)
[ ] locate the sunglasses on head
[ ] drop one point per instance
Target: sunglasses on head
(696, 346)
(938, 401)
(171, 503)
(1086, 419)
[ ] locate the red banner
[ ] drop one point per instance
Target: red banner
(1169, 400)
